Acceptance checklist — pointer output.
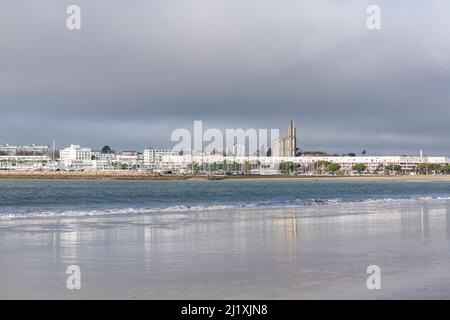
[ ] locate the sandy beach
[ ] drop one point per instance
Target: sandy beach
(315, 252)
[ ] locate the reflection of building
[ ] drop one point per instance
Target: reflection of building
(447, 218)
(416, 223)
(287, 233)
(286, 147)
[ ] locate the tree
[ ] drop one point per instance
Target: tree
(445, 169)
(326, 166)
(106, 149)
(359, 167)
(426, 168)
(333, 167)
(364, 152)
(287, 166)
(216, 166)
(394, 168)
(321, 165)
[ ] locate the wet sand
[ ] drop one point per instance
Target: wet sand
(320, 252)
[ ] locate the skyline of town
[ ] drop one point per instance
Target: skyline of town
(361, 151)
(163, 147)
(244, 152)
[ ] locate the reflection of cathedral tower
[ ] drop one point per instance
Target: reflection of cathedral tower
(289, 235)
(425, 222)
(287, 146)
(292, 238)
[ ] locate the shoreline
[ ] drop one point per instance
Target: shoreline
(297, 210)
(108, 175)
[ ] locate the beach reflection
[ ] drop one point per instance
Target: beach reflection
(447, 218)
(285, 253)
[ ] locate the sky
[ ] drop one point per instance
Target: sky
(139, 69)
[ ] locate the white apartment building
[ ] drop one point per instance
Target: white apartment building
(97, 155)
(131, 158)
(24, 150)
(346, 162)
(153, 157)
(98, 165)
(75, 155)
(23, 162)
(373, 163)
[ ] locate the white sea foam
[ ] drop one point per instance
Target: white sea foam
(279, 204)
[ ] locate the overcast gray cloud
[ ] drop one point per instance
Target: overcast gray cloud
(139, 69)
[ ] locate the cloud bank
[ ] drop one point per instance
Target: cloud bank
(139, 69)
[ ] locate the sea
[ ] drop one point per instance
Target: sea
(60, 198)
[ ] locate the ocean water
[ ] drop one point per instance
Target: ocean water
(253, 239)
(49, 198)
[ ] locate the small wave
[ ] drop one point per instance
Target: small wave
(297, 203)
(321, 201)
(119, 211)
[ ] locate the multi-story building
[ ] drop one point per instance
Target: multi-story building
(76, 156)
(287, 146)
(97, 155)
(24, 150)
(373, 163)
(376, 163)
(23, 162)
(153, 157)
(130, 158)
(24, 157)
